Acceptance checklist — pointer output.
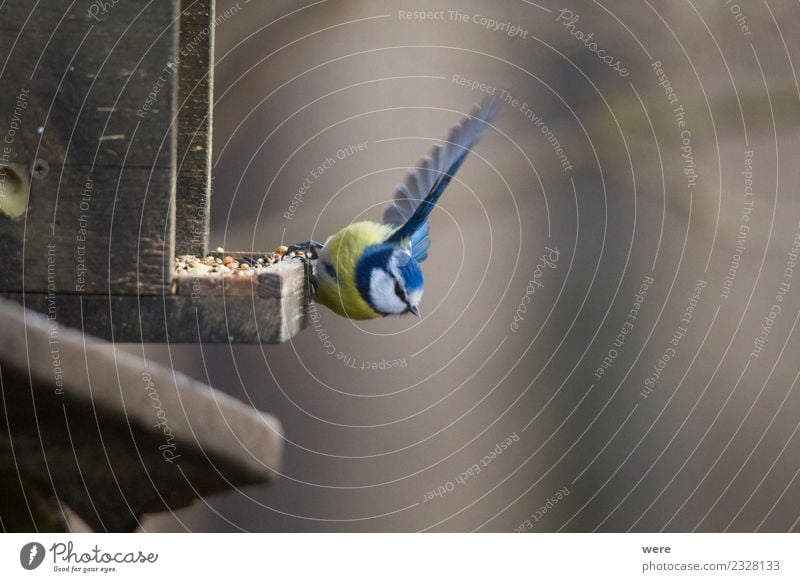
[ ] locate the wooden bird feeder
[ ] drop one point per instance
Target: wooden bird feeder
(105, 176)
(105, 158)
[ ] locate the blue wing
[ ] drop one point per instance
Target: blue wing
(414, 200)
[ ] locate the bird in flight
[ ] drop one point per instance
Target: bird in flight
(372, 269)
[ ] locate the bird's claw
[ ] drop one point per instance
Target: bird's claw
(312, 287)
(310, 250)
(308, 266)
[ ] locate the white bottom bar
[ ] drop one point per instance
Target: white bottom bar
(401, 557)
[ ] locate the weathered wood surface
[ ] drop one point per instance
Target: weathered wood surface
(91, 94)
(275, 309)
(108, 238)
(78, 15)
(113, 437)
(195, 97)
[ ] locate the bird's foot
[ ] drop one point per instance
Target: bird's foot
(308, 250)
(250, 261)
(308, 266)
(313, 284)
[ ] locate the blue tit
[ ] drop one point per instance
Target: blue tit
(372, 269)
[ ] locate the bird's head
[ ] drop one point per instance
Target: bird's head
(390, 280)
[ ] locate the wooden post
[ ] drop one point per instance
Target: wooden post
(195, 97)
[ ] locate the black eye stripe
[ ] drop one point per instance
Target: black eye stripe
(398, 290)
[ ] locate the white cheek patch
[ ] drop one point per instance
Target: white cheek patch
(381, 292)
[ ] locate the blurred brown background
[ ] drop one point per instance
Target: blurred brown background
(712, 446)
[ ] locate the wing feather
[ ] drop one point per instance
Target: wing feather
(414, 199)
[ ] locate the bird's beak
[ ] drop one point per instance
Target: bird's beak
(414, 309)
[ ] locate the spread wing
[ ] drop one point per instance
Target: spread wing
(415, 198)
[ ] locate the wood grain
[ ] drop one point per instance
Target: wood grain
(273, 314)
(79, 90)
(195, 97)
(115, 240)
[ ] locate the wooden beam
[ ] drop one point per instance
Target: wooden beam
(274, 310)
(111, 436)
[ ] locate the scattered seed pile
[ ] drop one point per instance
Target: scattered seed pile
(218, 263)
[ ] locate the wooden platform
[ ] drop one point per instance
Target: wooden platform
(271, 308)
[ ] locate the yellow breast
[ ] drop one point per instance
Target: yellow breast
(343, 250)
